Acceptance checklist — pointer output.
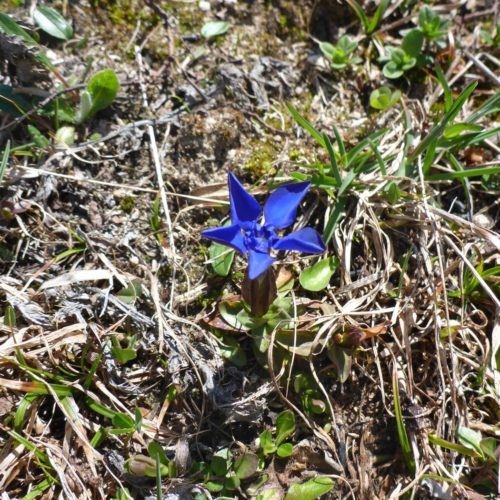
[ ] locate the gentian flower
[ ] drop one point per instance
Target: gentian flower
(251, 235)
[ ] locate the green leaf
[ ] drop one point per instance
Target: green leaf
(489, 446)
(342, 359)
(122, 424)
(101, 92)
(221, 258)
(22, 408)
(383, 98)
(451, 446)
(230, 349)
(471, 172)
(10, 27)
(270, 494)
(38, 138)
(318, 276)
(470, 439)
(391, 70)
(284, 450)
(412, 42)
(50, 21)
(392, 192)
(246, 465)
(266, 443)
(456, 129)
(310, 490)
(333, 161)
(285, 425)
(377, 17)
(155, 450)
(123, 354)
(130, 293)
(214, 28)
(438, 129)
(306, 125)
(220, 463)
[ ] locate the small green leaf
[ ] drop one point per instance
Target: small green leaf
(156, 450)
(489, 446)
(383, 98)
(285, 425)
(392, 192)
(122, 423)
(318, 276)
(214, 28)
(412, 42)
(130, 293)
(310, 490)
(50, 21)
(230, 349)
(342, 359)
(101, 92)
(246, 465)
(219, 465)
(123, 355)
(221, 258)
(470, 439)
(38, 138)
(266, 443)
(284, 450)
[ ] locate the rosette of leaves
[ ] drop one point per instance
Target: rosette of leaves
(431, 25)
(340, 55)
(384, 98)
(407, 56)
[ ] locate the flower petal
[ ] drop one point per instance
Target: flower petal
(280, 209)
(258, 262)
(227, 235)
(306, 240)
(244, 207)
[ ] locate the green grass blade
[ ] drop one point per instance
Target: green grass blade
(334, 219)
(377, 17)
(448, 97)
(333, 161)
(340, 144)
(378, 157)
(452, 446)
(438, 130)
(306, 125)
(358, 10)
(471, 172)
(5, 159)
(403, 436)
(492, 105)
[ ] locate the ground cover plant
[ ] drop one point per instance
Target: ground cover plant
(249, 249)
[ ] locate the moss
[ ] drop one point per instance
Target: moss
(127, 12)
(294, 154)
(127, 204)
(261, 158)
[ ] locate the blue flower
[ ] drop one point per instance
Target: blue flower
(248, 233)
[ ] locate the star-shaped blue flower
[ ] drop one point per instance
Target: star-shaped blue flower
(248, 233)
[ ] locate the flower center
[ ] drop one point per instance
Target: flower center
(259, 238)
